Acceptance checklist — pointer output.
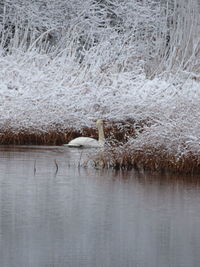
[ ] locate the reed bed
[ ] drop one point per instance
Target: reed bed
(37, 138)
(148, 158)
(118, 152)
(117, 131)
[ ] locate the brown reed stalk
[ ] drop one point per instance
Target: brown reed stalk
(150, 158)
(119, 131)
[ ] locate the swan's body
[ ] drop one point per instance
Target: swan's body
(84, 142)
(90, 142)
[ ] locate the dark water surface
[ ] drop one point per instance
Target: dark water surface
(87, 217)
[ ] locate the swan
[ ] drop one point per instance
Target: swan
(90, 142)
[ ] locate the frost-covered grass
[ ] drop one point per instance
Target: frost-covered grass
(171, 138)
(38, 93)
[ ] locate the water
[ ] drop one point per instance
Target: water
(86, 217)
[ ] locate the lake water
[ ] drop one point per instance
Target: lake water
(55, 214)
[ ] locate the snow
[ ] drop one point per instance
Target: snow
(36, 93)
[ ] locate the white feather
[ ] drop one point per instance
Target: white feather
(90, 142)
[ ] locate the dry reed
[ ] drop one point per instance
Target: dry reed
(118, 153)
(113, 130)
(149, 158)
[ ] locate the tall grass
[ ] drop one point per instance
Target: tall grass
(115, 131)
(147, 158)
(160, 36)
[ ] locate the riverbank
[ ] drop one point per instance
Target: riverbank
(129, 145)
(115, 131)
(148, 158)
(152, 124)
(134, 65)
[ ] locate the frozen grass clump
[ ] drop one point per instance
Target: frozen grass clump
(171, 142)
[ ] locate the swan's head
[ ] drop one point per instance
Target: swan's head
(99, 122)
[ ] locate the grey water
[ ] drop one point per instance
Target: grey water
(54, 213)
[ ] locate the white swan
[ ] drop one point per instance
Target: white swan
(90, 142)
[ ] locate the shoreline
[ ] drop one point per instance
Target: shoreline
(154, 160)
(118, 153)
(117, 131)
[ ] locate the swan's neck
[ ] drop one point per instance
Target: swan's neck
(101, 134)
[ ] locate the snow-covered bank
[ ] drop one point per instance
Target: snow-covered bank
(63, 65)
(42, 99)
(39, 94)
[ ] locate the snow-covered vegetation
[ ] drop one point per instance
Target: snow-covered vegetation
(63, 64)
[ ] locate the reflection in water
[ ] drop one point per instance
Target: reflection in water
(85, 217)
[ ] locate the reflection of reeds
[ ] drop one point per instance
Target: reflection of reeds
(56, 166)
(34, 167)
